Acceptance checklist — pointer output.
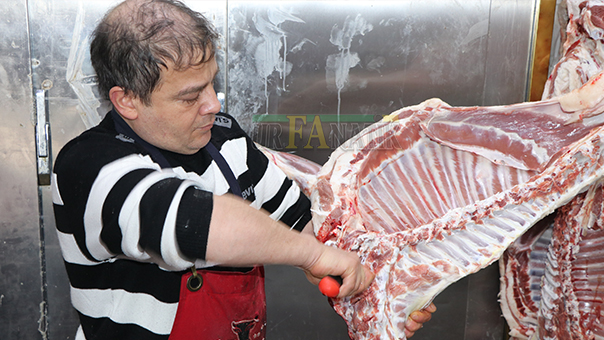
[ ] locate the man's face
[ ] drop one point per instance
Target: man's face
(182, 110)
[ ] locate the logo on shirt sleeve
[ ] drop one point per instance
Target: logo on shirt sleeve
(249, 193)
(223, 121)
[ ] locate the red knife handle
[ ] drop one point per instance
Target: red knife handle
(330, 285)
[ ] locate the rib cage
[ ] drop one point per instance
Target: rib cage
(453, 179)
(522, 266)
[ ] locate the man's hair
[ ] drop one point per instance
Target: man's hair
(135, 40)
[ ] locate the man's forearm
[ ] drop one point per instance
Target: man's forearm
(241, 235)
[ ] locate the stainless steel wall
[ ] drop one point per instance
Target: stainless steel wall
(301, 76)
(357, 60)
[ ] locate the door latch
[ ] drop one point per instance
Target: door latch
(42, 137)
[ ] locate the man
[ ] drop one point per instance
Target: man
(165, 211)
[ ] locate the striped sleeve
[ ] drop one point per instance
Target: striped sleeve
(134, 210)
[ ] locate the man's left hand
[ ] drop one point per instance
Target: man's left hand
(417, 319)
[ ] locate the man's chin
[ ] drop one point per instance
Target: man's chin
(200, 144)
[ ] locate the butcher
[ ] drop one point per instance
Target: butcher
(165, 211)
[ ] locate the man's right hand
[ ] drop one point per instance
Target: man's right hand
(336, 262)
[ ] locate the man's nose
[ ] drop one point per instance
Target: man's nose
(213, 105)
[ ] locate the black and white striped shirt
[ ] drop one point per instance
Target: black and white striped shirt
(128, 228)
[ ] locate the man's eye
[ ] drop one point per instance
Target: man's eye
(190, 101)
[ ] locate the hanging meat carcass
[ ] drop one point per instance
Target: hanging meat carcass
(428, 196)
(572, 295)
(433, 193)
(424, 205)
(523, 265)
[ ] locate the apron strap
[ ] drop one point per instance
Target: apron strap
(225, 169)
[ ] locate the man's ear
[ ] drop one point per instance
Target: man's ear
(123, 103)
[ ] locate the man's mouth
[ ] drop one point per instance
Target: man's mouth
(207, 126)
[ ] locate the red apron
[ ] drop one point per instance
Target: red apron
(227, 306)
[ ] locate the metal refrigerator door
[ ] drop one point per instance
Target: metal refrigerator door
(21, 296)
